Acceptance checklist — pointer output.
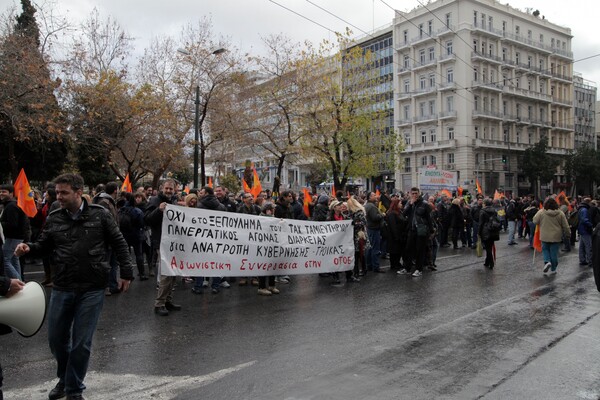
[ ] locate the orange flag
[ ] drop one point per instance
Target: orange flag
(24, 195)
(496, 195)
(447, 193)
(459, 191)
(307, 198)
(377, 192)
(245, 186)
(537, 242)
(210, 184)
(186, 189)
(333, 191)
(126, 187)
(256, 186)
(478, 186)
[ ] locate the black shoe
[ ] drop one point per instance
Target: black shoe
(58, 392)
(196, 290)
(162, 311)
(214, 290)
(353, 279)
(143, 278)
(432, 267)
(379, 270)
(172, 307)
(77, 396)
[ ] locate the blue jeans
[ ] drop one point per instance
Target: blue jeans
(372, 256)
(216, 282)
(511, 231)
(12, 266)
(72, 320)
(550, 253)
(531, 232)
(475, 231)
(585, 249)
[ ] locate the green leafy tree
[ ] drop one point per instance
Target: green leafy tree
(583, 168)
(539, 166)
(231, 182)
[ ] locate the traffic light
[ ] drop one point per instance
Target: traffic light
(503, 159)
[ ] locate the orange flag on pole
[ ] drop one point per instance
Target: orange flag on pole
(210, 184)
(307, 199)
(496, 195)
(478, 186)
(256, 186)
(447, 193)
(537, 242)
(186, 189)
(459, 191)
(126, 187)
(333, 191)
(24, 195)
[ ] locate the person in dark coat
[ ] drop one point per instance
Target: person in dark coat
(8, 287)
(457, 222)
(396, 233)
(487, 237)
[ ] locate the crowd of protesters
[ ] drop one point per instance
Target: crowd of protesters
(408, 228)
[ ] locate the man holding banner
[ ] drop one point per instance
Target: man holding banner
(153, 219)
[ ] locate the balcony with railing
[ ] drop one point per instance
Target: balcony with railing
(562, 101)
(425, 118)
(486, 30)
(475, 55)
(428, 146)
(486, 85)
(447, 86)
(424, 64)
(445, 57)
(511, 37)
(487, 114)
(529, 94)
(447, 114)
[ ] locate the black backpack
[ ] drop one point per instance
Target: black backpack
(493, 224)
(125, 220)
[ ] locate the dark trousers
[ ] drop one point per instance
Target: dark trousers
(489, 253)
(416, 249)
(139, 254)
(262, 281)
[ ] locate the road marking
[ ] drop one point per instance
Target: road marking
(108, 386)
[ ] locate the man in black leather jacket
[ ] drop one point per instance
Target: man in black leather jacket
(79, 235)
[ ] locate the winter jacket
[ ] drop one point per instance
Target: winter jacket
(585, 226)
(484, 217)
(373, 216)
(153, 216)
(456, 217)
(106, 201)
(553, 225)
(80, 248)
(15, 223)
(210, 202)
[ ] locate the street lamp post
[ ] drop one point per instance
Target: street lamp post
(199, 139)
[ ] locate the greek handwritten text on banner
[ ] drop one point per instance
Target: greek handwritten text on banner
(197, 242)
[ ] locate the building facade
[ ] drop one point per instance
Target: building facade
(584, 108)
(477, 83)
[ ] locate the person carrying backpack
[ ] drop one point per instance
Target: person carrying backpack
(489, 231)
(131, 224)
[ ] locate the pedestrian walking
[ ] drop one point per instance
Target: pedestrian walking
(553, 225)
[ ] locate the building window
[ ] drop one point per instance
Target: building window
(518, 110)
(423, 137)
(406, 62)
(503, 27)
(476, 129)
(407, 137)
(517, 57)
(405, 35)
(450, 103)
(541, 38)
(449, 47)
(490, 23)
(505, 108)
(433, 136)
(422, 109)
(406, 85)
(529, 60)
(450, 133)
(476, 103)
(450, 158)
(518, 136)
(431, 54)
(504, 54)
(406, 112)
(474, 18)
(422, 82)
(432, 107)
(420, 31)
(475, 74)
(430, 27)
(433, 160)
(529, 34)
(450, 75)
(431, 80)
(422, 56)
(448, 20)
(505, 135)
(483, 21)
(542, 65)
(407, 164)
(475, 44)
(517, 30)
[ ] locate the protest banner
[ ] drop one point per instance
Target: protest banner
(197, 242)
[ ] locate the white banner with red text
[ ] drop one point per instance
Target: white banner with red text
(198, 242)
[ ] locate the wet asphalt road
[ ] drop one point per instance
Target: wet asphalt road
(463, 332)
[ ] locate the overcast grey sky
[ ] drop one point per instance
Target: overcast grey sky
(245, 21)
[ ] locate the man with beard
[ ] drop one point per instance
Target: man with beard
(153, 218)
